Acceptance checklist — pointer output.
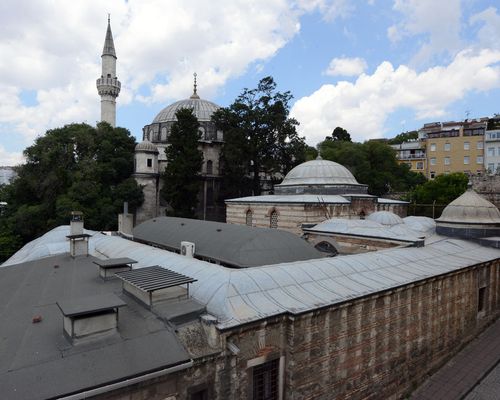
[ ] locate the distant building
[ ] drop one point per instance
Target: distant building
(492, 146)
(311, 192)
(6, 175)
(412, 154)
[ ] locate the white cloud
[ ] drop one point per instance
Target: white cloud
(362, 107)
(346, 67)
(489, 33)
(10, 158)
(438, 21)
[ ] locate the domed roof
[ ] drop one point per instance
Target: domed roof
(385, 218)
(470, 208)
(147, 147)
(202, 109)
(319, 172)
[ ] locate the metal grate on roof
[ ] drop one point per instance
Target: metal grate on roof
(153, 278)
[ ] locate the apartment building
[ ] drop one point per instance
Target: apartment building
(492, 145)
(413, 154)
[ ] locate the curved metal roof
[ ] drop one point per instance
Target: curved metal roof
(234, 245)
(385, 218)
(470, 208)
(319, 172)
(146, 146)
(202, 109)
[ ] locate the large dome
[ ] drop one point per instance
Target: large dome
(470, 208)
(319, 172)
(202, 109)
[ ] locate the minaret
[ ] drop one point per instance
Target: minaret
(108, 85)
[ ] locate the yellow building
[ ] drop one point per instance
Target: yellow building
(454, 147)
(413, 154)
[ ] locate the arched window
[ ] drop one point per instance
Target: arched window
(249, 217)
(210, 167)
(273, 220)
(326, 247)
(201, 132)
(164, 133)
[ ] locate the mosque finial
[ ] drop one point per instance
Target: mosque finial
(195, 95)
(109, 18)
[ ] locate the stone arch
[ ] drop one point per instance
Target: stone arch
(249, 217)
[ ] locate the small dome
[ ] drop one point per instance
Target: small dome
(319, 172)
(146, 146)
(202, 109)
(470, 208)
(386, 218)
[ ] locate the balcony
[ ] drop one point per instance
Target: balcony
(417, 156)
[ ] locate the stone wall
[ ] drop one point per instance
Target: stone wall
(487, 186)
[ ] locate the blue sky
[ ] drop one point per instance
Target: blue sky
(373, 67)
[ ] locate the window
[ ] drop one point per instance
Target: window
(466, 160)
(491, 168)
(433, 161)
(466, 145)
(479, 160)
(164, 133)
(447, 146)
(273, 220)
(210, 167)
(491, 152)
(150, 162)
(480, 145)
(481, 299)
(433, 146)
(432, 174)
(420, 165)
(447, 161)
(248, 218)
(265, 381)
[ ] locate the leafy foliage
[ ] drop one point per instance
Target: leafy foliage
(182, 175)
(260, 139)
(373, 163)
(77, 167)
(339, 135)
(404, 137)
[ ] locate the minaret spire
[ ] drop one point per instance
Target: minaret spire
(108, 85)
(195, 95)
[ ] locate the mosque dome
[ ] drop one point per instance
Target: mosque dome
(202, 109)
(146, 146)
(319, 171)
(319, 177)
(470, 208)
(385, 218)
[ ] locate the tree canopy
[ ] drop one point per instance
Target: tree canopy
(76, 167)
(373, 163)
(404, 137)
(339, 135)
(181, 179)
(260, 139)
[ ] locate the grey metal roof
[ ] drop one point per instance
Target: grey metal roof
(89, 304)
(114, 262)
(109, 45)
(385, 218)
(202, 109)
(38, 362)
(147, 147)
(236, 245)
(154, 278)
(470, 208)
(237, 296)
(319, 172)
(292, 199)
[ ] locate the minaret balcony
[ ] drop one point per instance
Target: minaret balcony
(108, 86)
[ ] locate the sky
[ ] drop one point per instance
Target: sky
(373, 67)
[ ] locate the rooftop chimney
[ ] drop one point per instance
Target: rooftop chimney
(125, 221)
(78, 241)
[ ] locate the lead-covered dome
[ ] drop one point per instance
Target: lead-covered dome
(146, 146)
(202, 109)
(470, 208)
(385, 218)
(320, 177)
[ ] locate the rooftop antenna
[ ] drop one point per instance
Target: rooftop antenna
(195, 95)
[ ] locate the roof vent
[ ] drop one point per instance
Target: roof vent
(88, 316)
(150, 285)
(187, 249)
(108, 268)
(78, 241)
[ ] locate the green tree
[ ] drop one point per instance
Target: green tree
(339, 135)
(260, 139)
(181, 179)
(404, 137)
(77, 167)
(373, 163)
(437, 192)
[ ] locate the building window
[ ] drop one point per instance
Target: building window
(479, 160)
(480, 145)
(265, 381)
(481, 299)
(432, 174)
(273, 220)
(447, 161)
(466, 160)
(210, 167)
(248, 218)
(433, 161)
(466, 145)
(164, 133)
(420, 165)
(447, 146)
(491, 152)
(150, 162)
(433, 146)
(491, 168)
